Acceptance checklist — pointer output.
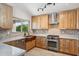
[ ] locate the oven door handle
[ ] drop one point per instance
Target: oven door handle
(53, 40)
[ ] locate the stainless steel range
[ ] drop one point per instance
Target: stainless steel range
(53, 42)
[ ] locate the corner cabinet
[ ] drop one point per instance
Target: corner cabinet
(30, 42)
(68, 46)
(40, 22)
(6, 14)
(68, 19)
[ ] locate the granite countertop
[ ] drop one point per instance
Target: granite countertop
(12, 38)
(7, 50)
(69, 36)
(61, 36)
(19, 37)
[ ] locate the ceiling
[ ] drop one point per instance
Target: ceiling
(31, 8)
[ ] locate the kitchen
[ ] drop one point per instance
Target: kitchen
(51, 28)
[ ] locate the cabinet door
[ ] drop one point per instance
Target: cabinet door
(78, 51)
(21, 43)
(78, 47)
(77, 18)
(33, 43)
(43, 42)
(61, 20)
(68, 19)
(67, 45)
(28, 46)
(6, 16)
(62, 45)
(44, 21)
(38, 41)
(35, 22)
(73, 47)
(73, 19)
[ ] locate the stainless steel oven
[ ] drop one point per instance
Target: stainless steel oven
(53, 42)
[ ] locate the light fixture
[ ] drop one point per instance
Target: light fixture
(47, 4)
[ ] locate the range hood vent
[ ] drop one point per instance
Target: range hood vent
(54, 19)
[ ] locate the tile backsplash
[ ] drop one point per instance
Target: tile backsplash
(69, 32)
(40, 31)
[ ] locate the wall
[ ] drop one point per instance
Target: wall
(20, 14)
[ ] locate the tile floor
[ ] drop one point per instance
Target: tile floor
(42, 52)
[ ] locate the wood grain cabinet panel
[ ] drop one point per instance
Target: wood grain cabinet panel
(67, 43)
(35, 22)
(44, 21)
(73, 47)
(68, 46)
(78, 48)
(6, 14)
(62, 45)
(41, 42)
(62, 20)
(68, 19)
(78, 18)
(30, 44)
(40, 22)
(38, 41)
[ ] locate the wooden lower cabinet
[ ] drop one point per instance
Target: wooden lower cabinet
(30, 44)
(78, 48)
(21, 44)
(62, 45)
(68, 46)
(78, 51)
(41, 42)
(17, 43)
(13, 43)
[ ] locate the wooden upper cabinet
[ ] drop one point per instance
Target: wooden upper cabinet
(68, 19)
(40, 22)
(78, 18)
(44, 21)
(6, 14)
(73, 19)
(35, 22)
(61, 20)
